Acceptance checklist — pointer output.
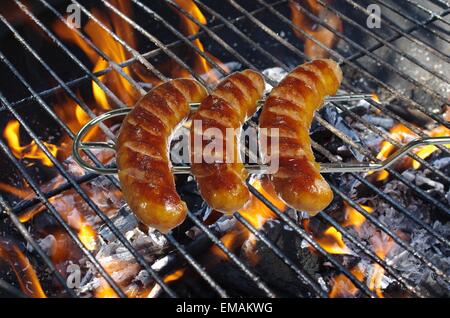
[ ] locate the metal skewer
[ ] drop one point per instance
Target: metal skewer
(336, 167)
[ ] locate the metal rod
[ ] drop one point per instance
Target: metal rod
(359, 68)
(284, 19)
(36, 247)
(131, 60)
(256, 169)
(95, 208)
(197, 267)
(302, 274)
(395, 204)
(244, 268)
(55, 214)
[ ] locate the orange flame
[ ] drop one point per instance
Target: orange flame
(320, 33)
(114, 50)
(200, 64)
(105, 291)
(20, 193)
(174, 276)
(30, 151)
(19, 263)
(256, 213)
(382, 246)
(353, 217)
(330, 240)
(343, 287)
(88, 236)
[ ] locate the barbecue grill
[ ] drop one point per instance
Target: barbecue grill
(51, 68)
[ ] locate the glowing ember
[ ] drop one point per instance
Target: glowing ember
(382, 245)
(174, 276)
(228, 240)
(375, 97)
(105, 291)
(30, 151)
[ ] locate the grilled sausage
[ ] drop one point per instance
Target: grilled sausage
(145, 173)
(290, 107)
(222, 182)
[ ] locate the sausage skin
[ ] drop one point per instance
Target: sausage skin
(290, 107)
(222, 183)
(143, 157)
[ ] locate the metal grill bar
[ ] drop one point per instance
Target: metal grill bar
(244, 268)
(269, 32)
(27, 235)
(11, 290)
(95, 208)
(194, 21)
(395, 204)
(394, 273)
(417, 24)
(396, 37)
(421, 7)
(248, 64)
(163, 286)
(197, 267)
(129, 61)
(129, 49)
(335, 131)
(372, 127)
(154, 41)
(116, 67)
(240, 218)
(59, 219)
(304, 277)
(203, 274)
(278, 252)
(392, 26)
(310, 240)
(358, 68)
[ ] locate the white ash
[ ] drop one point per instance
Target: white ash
(275, 74)
(379, 121)
(47, 243)
(420, 180)
(441, 163)
(408, 266)
(121, 264)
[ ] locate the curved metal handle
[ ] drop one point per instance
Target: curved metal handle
(77, 145)
(336, 167)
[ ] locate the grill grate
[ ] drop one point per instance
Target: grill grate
(274, 8)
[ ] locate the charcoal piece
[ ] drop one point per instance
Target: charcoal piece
(332, 115)
(272, 268)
